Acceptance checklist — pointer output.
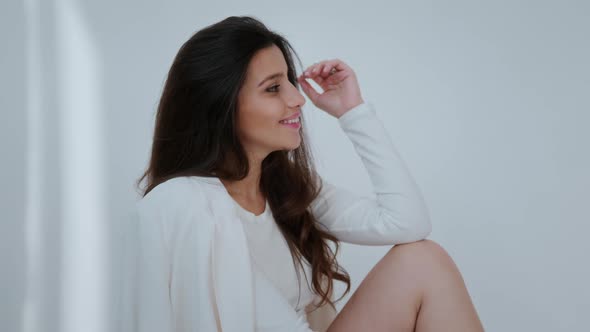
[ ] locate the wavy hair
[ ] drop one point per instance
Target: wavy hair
(195, 135)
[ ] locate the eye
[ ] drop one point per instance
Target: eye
(273, 87)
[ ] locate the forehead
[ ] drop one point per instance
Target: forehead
(267, 61)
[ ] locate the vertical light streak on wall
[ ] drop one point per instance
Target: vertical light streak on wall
(84, 269)
(33, 240)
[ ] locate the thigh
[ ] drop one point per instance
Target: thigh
(388, 298)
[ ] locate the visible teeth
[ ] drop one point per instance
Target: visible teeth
(296, 120)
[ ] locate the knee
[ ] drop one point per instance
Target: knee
(423, 255)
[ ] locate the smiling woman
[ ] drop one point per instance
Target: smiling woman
(233, 209)
(232, 111)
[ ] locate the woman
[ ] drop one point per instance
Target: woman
(233, 208)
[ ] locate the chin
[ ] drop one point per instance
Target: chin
(291, 147)
(296, 146)
(289, 144)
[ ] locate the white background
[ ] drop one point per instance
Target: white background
(487, 102)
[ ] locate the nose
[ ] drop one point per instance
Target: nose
(296, 99)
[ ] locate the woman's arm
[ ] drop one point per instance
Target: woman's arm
(173, 262)
(152, 306)
(397, 214)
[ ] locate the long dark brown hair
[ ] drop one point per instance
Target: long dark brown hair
(195, 135)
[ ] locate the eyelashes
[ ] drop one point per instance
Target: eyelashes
(274, 86)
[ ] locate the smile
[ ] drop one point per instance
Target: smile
(293, 123)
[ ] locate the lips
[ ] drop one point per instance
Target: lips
(292, 116)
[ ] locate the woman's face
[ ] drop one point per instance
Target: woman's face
(263, 102)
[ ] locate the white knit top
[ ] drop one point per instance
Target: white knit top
(272, 261)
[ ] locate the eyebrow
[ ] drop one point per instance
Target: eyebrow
(275, 75)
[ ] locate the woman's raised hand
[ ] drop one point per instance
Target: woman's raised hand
(338, 80)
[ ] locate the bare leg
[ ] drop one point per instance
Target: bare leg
(414, 287)
(446, 304)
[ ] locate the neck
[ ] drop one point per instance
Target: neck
(248, 187)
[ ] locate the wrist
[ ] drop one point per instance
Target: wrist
(351, 106)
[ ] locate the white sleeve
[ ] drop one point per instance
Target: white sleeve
(152, 306)
(397, 214)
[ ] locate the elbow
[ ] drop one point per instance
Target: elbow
(422, 215)
(424, 229)
(422, 224)
(415, 225)
(417, 229)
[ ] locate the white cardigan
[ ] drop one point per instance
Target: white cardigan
(193, 270)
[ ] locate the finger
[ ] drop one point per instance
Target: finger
(321, 69)
(327, 67)
(311, 93)
(341, 65)
(325, 79)
(317, 68)
(329, 71)
(334, 79)
(308, 89)
(323, 72)
(313, 73)
(313, 69)
(318, 79)
(334, 66)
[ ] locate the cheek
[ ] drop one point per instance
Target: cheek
(259, 124)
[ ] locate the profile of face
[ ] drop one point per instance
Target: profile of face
(267, 97)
